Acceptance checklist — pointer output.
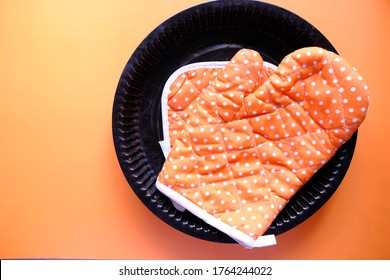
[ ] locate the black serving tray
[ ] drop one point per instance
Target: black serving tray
(213, 31)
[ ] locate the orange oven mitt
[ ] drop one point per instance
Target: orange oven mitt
(249, 138)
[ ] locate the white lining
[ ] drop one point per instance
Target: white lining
(180, 202)
(241, 238)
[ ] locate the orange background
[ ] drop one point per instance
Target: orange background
(62, 192)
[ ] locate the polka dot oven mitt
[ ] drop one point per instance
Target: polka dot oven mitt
(245, 141)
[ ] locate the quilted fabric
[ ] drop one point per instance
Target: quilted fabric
(190, 82)
(248, 139)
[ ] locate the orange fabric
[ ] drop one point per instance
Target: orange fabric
(246, 143)
(187, 87)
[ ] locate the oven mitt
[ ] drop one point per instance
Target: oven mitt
(243, 148)
(182, 87)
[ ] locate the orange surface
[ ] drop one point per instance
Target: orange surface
(62, 192)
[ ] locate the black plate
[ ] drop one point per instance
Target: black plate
(209, 32)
